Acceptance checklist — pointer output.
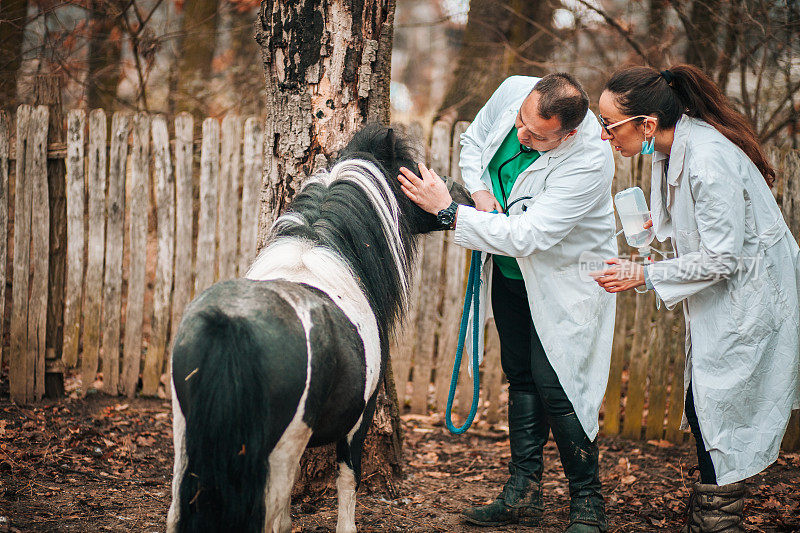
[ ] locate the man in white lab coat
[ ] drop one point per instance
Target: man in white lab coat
(534, 154)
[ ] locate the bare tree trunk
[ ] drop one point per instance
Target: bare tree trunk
(732, 29)
(13, 14)
(501, 39)
(327, 68)
(655, 32)
(105, 53)
(707, 19)
(195, 54)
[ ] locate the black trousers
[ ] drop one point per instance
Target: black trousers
(522, 356)
(707, 474)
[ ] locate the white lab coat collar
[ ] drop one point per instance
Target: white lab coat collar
(662, 221)
(677, 152)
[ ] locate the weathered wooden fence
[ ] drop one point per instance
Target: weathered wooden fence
(644, 398)
(136, 252)
(151, 221)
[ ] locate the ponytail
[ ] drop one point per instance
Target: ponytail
(685, 89)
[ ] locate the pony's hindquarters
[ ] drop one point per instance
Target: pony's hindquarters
(221, 406)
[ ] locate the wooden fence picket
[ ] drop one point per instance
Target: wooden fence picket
(492, 375)
(139, 207)
(453, 286)
(228, 203)
(207, 223)
(164, 179)
(36, 167)
(4, 201)
(251, 179)
(432, 251)
(622, 324)
(184, 128)
(96, 185)
(642, 334)
(18, 376)
(673, 433)
(403, 346)
(402, 349)
(76, 201)
(660, 366)
(115, 228)
(31, 254)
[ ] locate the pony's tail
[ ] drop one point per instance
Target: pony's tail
(226, 432)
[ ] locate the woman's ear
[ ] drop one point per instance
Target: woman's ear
(650, 126)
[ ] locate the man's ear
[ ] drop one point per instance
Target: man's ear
(570, 134)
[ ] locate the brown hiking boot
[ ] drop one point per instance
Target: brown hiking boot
(716, 508)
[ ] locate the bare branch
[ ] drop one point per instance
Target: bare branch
(622, 31)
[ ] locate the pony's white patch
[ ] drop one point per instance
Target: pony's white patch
(284, 464)
(284, 460)
(179, 469)
(298, 260)
(346, 492)
(288, 220)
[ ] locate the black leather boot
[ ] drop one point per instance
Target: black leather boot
(580, 458)
(520, 502)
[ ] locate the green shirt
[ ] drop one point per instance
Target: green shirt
(508, 149)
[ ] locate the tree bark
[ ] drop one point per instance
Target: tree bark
(501, 39)
(196, 52)
(327, 68)
(104, 56)
(13, 14)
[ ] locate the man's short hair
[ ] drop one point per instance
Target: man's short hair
(560, 95)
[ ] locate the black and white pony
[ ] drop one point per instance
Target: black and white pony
(292, 356)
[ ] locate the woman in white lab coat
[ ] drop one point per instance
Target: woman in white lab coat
(736, 268)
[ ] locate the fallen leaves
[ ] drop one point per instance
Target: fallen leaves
(68, 462)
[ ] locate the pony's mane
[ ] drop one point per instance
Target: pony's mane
(352, 211)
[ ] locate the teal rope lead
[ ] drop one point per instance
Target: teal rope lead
(472, 297)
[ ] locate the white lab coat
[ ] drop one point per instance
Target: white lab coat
(570, 214)
(737, 270)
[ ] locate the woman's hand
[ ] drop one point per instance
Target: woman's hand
(485, 201)
(430, 192)
(623, 275)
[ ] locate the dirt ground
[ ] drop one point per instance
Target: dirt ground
(104, 464)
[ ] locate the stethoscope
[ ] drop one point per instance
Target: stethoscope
(507, 207)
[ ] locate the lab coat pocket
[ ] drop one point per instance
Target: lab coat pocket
(582, 299)
(753, 309)
(586, 310)
(688, 241)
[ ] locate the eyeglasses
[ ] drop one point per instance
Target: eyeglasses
(607, 127)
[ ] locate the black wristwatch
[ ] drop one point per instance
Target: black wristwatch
(447, 216)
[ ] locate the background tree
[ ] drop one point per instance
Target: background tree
(327, 67)
(501, 38)
(104, 54)
(196, 52)
(13, 16)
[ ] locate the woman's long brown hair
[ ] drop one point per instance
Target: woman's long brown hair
(645, 91)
